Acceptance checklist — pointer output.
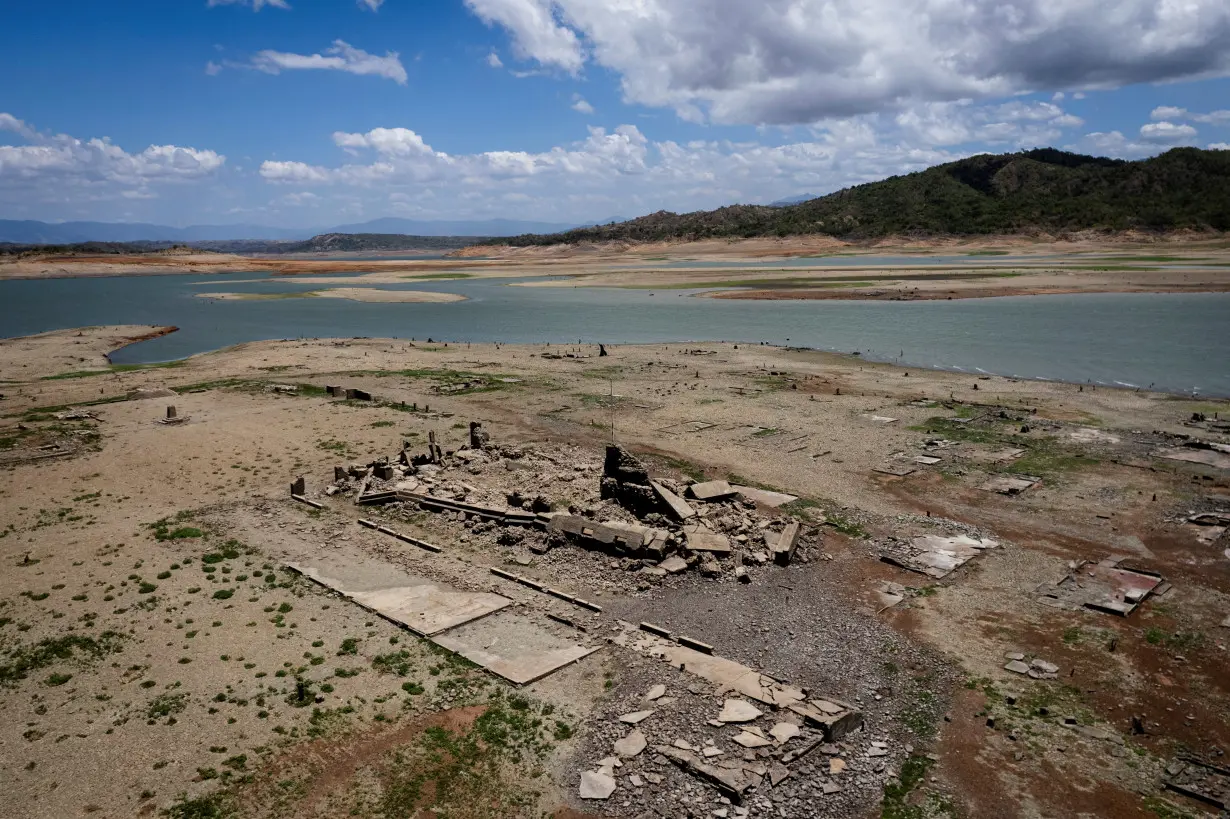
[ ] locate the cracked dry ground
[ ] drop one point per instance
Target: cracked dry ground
(156, 656)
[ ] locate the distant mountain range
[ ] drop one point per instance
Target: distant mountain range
(1043, 190)
(62, 233)
(794, 200)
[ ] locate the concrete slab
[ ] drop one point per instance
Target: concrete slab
(711, 490)
(1105, 586)
(703, 539)
(1009, 484)
(935, 556)
(764, 497)
(729, 676)
(420, 605)
(992, 456)
(513, 647)
(678, 506)
(1216, 458)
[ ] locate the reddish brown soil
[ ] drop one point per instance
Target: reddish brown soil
(334, 762)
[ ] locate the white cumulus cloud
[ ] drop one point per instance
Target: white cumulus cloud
(341, 56)
(494, 60)
(1167, 112)
(800, 61)
(537, 32)
(1219, 146)
(255, 4)
(1166, 133)
(373, 5)
(581, 105)
(609, 172)
(56, 167)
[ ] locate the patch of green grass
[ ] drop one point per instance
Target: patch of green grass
(58, 679)
(897, 793)
(164, 705)
(20, 661)
(1072, 635)
(163, 528)
(397, 662)
(380, 424)
(453, 772)
(844, 525)
(445, 379)
(1165, 809)
(686, 467)
(217, 805)
(115, 368)
(1179, 640)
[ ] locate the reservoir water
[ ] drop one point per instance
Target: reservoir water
(1171, 342)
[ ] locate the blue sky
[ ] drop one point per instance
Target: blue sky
(315, 112)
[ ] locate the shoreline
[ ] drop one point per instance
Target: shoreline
(937, 295)
(360, 294)
(837, 356)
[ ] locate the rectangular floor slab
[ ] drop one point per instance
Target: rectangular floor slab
(1207, 457)
(420, 605)
(513, 647)
(764, 497)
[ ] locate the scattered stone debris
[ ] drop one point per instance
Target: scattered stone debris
(635, 717)
(1198, 452)
(935, 556)
(738, 711)
(1201, 781)
(631, 745)
(596, 785)
(1209, 526)
(1036, 668)
(1105, 586)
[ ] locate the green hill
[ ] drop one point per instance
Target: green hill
(1041, 190)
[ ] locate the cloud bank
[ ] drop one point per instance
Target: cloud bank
(800, 61)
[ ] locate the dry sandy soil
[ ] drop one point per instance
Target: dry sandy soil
(370, 294)
(156, 655)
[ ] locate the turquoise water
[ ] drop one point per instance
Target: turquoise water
(1172, 342)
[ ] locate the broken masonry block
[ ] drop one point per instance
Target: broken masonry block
(679, 508)
(299, 487)
(658, 630)
(695, 645)
(623, 466)
(787, 542)
(478, 436)
(170, 412)
(340, 473)
(384, 472)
